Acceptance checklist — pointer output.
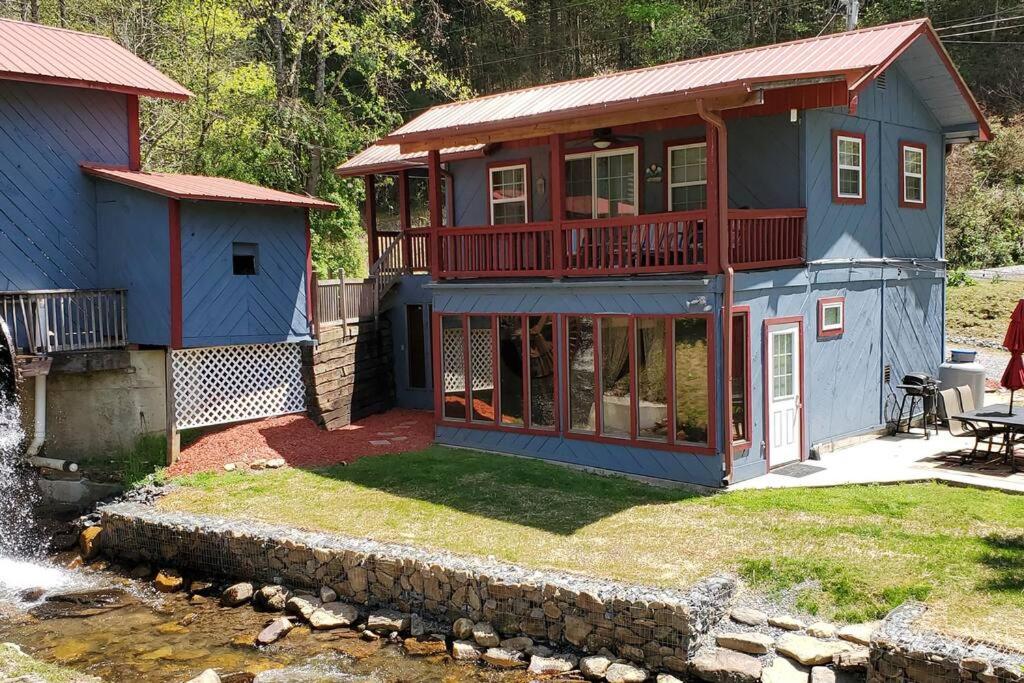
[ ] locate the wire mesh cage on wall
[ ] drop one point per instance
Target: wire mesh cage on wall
(221, 384)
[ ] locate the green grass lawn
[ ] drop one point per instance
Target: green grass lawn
(982, 310)
(852, 552)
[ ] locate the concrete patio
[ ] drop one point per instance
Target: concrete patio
(900, 458)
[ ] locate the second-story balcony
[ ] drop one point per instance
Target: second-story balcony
(662, 243)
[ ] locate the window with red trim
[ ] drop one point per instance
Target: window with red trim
(848, 167)
(831, 316)
(912, 175)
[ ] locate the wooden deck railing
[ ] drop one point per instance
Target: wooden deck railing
(626, 245)
(766, 238)
(675, 242)
(61, 320)
(341, 301)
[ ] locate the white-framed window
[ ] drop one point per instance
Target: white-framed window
(913, 173)
(509, 193)
(849, 156)
(601, 184)
(831, 316)
(688, 177)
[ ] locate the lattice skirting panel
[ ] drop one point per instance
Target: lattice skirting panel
(220, 384)
(480, 352)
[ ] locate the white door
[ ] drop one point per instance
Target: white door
(784, 400)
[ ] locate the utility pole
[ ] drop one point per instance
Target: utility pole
(852, 10)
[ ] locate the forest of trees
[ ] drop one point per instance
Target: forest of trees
(285, 90)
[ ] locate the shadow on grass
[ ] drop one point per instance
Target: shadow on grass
(1004, 555)
(531, 493)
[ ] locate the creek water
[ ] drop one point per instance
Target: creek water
(104, 624)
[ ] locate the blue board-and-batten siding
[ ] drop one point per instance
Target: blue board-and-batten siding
(47, 206)
(134, 255)
(219, 307)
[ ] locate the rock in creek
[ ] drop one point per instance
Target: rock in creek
(425, 647)
(463, 628)
(82, 604)
(485, 635)
(275, 631)
(89, 542)
(327, 594)
(550, 666)
(333, 615)
(465, 651)
(169, 581)
(271, 598)
(236, 595)
(387, 621)
(302, 606)
(594, 667)
(520, 643)
(503, 659)
(625, 673)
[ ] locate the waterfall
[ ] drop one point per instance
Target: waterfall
(18, 493)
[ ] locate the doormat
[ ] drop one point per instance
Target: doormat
(797, 469)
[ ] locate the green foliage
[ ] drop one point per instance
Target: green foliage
(958, 277)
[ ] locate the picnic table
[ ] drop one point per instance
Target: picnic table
(998, 415)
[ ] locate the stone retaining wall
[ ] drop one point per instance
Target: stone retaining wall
(900, 653)
(659, 628)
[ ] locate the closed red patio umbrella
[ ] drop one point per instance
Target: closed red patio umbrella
(1013, 376)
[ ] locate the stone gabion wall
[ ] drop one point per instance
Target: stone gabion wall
(658, 628)
(902, 654)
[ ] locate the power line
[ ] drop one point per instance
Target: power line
(984, 30)
(947, 24)
(983, 42)
(987, 21)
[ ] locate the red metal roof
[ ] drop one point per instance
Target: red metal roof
(44, 54)
(852, 55)
(203, 188)
(389, 158)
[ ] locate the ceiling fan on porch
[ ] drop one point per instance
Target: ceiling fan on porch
(603, 138)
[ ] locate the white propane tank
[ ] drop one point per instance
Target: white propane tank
(963, 369)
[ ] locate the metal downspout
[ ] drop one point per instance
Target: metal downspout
(722, 196)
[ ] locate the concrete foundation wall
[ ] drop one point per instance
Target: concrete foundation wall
(93, 412)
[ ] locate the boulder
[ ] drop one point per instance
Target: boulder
(333, 615)
(594, 667)
(271, 598)
(809, 651)
(552, 666)
(275, 631)
(425, 647)
(275, 463)
(503, 659)
(388, 622)
(462, 629)
(141, 571)
(785, 622)
(859, 633)
(521, 643)
(200, 587)
(168, 581)
(854, 659)
(748, 616)
(302, 606)
(821, 629)
(667, 678)
(465, 651)
(485, 635)
(974, 664)
(725, 666)
(236, 595)
(752, 643)
(89, 542)
(823, 674)
(208, 676)
(783, 670)
(328, 594)
(577, 630)
(621, 672)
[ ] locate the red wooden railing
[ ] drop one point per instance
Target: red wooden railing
(676, 242)
(496, 251)
(655, 243)
(763, 238)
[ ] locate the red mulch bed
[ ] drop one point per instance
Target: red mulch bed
(301, 443)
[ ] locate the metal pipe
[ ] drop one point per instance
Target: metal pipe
(722, 196)
(39, 431)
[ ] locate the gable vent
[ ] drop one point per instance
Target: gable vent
(880, 80)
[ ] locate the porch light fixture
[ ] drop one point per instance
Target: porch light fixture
(602, 143)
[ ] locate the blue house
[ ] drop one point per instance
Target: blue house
(697, 271)
(96, 253)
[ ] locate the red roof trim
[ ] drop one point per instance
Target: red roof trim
(164, 184)
(92, 85)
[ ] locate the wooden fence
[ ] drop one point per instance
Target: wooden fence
(61, 320)
(342, 301)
